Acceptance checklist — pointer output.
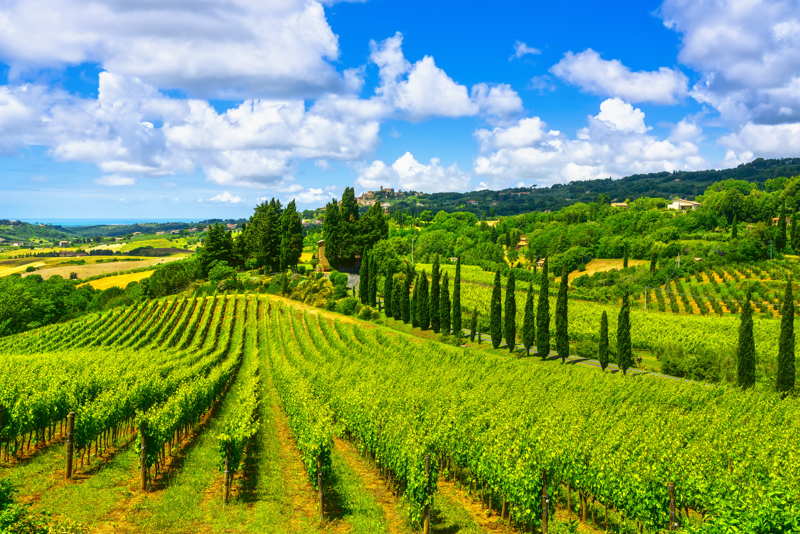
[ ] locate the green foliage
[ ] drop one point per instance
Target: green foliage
(456, 315)
(510, 313)
(291, 243)
(543, 314)
(339, 281)
(786, 365)
(422, 302)
(444, 307)
(624, 349)
(388, 290)
(529, 322)
(473, 325)
(347, 305)
(746, 351)
(562, 319)
(435, 300)
(219, 271)
(218, 246)
(495, 314)
(346, 234)
(602, 346)
(363, 279)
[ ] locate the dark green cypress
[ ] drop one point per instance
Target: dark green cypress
(653, 264)
(398, 292)
(746, 350)
(529, 322)
(435, 278)
(415, 305)
(473, 326)
(495, 313)
(388, 289)
(562, 333)
(424, 306)
(363, 279)
(373, 281)
(511, 312)
(624, 349)
(625, 256)
(406, 305)
(543, 314)
(455, 316)
(444, 306)
(602, 347)
(786, 372)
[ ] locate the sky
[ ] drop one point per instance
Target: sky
(197, 109)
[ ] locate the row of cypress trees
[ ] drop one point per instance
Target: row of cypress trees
(429, 305)
(746, 349)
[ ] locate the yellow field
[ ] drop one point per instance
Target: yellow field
(13, 269)
(599, 265)
(120, 280)
(155, 243)
(305, 257)
(89, 270)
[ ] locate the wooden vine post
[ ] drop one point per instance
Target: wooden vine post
(320, 490)
(143, 454)
(673, 523)
(545, 502)
(70, 443)
(426, 515)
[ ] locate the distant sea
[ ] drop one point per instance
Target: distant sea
(98, 222)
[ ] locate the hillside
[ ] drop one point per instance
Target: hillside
(514, 201)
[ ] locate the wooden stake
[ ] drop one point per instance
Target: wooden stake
(70, 445)
(673, 523)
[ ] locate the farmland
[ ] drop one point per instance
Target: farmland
(234, 375)
(120, 280)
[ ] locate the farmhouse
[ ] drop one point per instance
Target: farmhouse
(619, 205)
(681, 204)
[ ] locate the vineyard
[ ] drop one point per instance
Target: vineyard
(246, 413)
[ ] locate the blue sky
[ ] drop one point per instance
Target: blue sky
(176, 109)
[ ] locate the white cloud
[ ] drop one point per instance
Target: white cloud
(115, 181)
(592, 73)
(497, 101)
(213, 48)
(522, 49)
(747, 52)
(409, 174)
(686, 130)
(226, 198)
(615, 143)
(762, 140)
(429, 91)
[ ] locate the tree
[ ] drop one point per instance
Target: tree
(415, 304)
(786, 368)
(423, 306)
(363, 279)
(269, 238)
(388, 289)
(435, 304)
(746, 350)
(795, 237)
(473, 325)
(780, 239)
(331, 231)
(653, 264)
(291, 244)
(398, 299)
(455, 317)
(495, 313)
(218, 246)
(444, 306)
(372, 292)
(624, 349)
(543, 314)
(735, 226)
(602, 347)
(625, 254)
(529, 322)
(406, 300)
(511, 312)
(562, 334)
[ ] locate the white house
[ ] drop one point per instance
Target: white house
(681, 204)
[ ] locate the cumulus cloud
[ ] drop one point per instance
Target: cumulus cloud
(604, 77)
(748, 55)
(521, 49)
(214, 48)
(409, 174)
(765, 140)
(422, 89)
(225, 198)
(614, 143)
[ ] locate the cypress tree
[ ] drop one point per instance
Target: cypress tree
(746, 351)
(435, 277)
(473, 325)
(735, 226)
(624, 350)
(786, 372)
(511, 312)
(495, 319)
(780, 241)
(388, 289)
(444, 306)
(543, 315)
(625, 255)
(406, 302)
(415, 305)
(373, 281)
(424, 306)
(562, 333)
(653, 264)
(455, 317)
(602, 347)
(529, 322)
(397, 299)
(363, 279)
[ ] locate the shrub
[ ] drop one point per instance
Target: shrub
(368, 313)
(347, 305)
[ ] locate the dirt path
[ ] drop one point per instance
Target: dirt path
(482, 517)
